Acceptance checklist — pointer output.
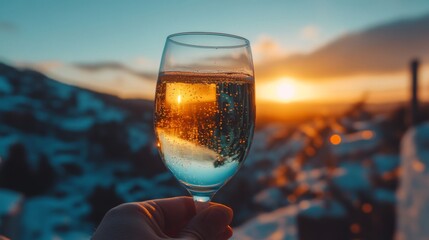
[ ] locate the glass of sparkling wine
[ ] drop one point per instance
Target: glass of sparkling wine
(205, 109)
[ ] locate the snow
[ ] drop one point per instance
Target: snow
(322, 208)
(56, 146)
(279, 224)
(14, 103)
(385, 163)
(61, 159)
(93, 176)
(110, 114)
(87, 102)
(37, 144)
(310, 176)
(278, 150)
(61, 90)
(270, 198)
(261, 141)
(319, 187)
(352, 177)
(44, 216)
(138, 136)
(5, 86)
(77, 124)
(413, 194)
(74, 235)
(62, 211)
(264, 153)
(364, 140)
(9, 202)
(385, 196)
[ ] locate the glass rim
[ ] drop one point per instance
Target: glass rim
(225, 35)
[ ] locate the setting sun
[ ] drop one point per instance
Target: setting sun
(285, 90)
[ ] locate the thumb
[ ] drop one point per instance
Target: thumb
(211, 223)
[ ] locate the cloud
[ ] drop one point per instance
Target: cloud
(113, 66)
(6, 26)
(309, 32)
(383, 49)
(42, 66)
(108, 77)
(267, 48)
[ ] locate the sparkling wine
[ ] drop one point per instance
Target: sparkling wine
(204, 124)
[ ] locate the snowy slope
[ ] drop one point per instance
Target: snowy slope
(306, 199)
(74, 153)
(413, 194)
(89, 144)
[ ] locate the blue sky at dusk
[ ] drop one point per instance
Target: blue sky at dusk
(53, 36)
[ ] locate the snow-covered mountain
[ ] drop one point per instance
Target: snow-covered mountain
(72, 154)
(69, 154)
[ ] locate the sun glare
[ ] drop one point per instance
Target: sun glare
(285, 91)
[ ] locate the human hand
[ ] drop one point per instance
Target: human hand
(165, 219)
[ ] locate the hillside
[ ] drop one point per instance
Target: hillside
(73, 153)
(69, 154)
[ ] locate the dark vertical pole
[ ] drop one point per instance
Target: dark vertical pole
(414, 92)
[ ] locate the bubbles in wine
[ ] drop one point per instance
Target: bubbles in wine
(204, 124)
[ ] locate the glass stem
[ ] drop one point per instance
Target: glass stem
(201, 202)
(201, 198)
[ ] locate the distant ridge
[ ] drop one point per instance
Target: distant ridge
(7, 70)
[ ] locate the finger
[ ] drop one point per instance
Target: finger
(127, 221)
(210, 223)
(226, 234)
(173, 214)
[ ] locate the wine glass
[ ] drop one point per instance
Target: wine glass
(205, 109)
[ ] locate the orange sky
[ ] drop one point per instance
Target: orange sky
(373, 88)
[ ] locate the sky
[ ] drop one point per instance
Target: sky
(301, 49)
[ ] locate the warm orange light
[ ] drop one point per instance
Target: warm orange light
(291, 198)
(355, 228)
(367, 134)
(392, 175)
(146, 212)
(280, 176)
(418, 166)
(285, 91)
(310, 151)
(367, 208)
(185, 93)
(335, 139)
